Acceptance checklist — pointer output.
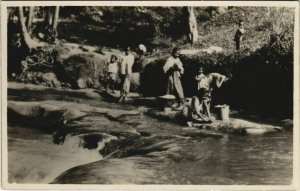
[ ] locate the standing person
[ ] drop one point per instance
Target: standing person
(127, 61)
(199, 77)
(239, 35)
(141, 50)
(112, 70)
(173, 69)
(138, 65)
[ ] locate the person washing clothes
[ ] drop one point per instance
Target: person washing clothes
(199, 109)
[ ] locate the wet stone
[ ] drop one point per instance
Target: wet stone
(90, 141)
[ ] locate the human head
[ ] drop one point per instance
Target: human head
(176, 52)
(142, 49)
(127, 50)
(113, 58)
(200, 71)
(228, 77)
(241, 23)
(15, 19)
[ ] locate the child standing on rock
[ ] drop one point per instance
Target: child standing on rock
(112, 70)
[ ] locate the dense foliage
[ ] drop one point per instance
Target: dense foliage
(262, 71)
(262, 81)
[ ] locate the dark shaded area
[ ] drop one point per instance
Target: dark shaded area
(137, 24)
(91, 141)
(16, 49)
(39, 95)
(76, 67)
(201, 135)
(262, 83)
(153, 79)
(48, 124)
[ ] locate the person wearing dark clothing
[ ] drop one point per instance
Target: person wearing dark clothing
(239, 35)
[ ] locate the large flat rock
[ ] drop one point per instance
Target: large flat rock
(232, 126)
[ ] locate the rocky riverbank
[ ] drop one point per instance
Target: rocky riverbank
(120, 133)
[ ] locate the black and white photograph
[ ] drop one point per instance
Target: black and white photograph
(153, 93)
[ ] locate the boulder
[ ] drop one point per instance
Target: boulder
(135, 80)
(50, 80)
(77, 67)
(232, 126)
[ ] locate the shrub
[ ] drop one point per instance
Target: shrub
(262, 80)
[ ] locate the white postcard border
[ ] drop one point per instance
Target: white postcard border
(296, 143)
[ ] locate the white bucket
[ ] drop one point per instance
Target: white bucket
(223, 112)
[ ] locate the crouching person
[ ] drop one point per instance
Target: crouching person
(199, 108)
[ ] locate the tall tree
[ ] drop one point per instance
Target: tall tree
(48, 15)
(193, 31)
(55, 18)
(30, 43)
(30, 19)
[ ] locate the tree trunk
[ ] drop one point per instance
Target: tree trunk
(48, 15)
(29, 20)
(268, 12)
(193, 31)
(55, 18)
(30, 43)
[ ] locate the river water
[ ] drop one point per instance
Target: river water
(164, 153)
(247, 160)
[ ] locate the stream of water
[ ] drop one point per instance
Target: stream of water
(263, 159)
(175, 155)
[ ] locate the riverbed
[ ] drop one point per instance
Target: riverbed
(146, 150)
(264, 159)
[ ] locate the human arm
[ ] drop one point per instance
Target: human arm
(239, 32)
(216, 79)
(169, 63)
(180, 66)
(105, 68)
(220, 80)
(129, 64)
(126, 69)
(198, 77)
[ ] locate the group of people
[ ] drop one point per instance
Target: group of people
(199, 107)
(124, 67)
